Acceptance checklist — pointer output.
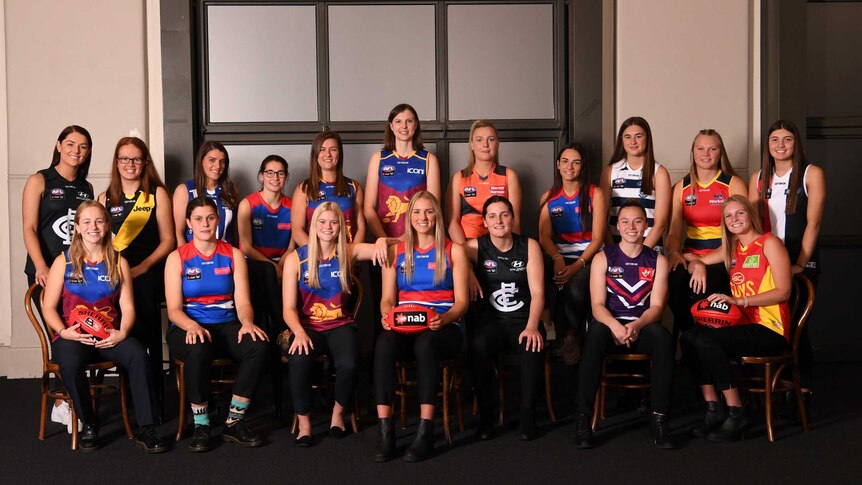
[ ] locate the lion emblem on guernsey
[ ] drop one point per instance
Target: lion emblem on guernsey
(319, 313)
(396, 207)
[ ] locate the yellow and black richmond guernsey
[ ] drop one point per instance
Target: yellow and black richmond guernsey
(134, 224)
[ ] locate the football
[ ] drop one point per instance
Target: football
(717, 314)
(92, 322)
(410, 318)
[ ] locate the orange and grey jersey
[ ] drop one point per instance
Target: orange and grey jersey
(751, 274)
(701, 209)
(473, 191)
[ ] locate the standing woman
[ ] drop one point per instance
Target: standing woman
(482, 178)
(91, 275)
(572, 224)
(50, 199)
(633, 172)
(206, 288)
(326, 182)
(140, 212)
(430, 271)
(511, 275)
(319, 279)
(695, 225)
(212, 179)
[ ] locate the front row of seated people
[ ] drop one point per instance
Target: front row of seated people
(208, 303)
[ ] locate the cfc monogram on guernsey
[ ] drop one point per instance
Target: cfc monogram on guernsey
(565, 213)
(224, 231)
(421, 289)
(750, 274)
(347, 204)
(208, 284)
(474, 191)
(629, 282)
(503, 276)
(399, 178)
(270, 228)
(134, 224)
(90, 289)
(322, 308)
(701, 208)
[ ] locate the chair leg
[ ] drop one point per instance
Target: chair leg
(595, 421)
(74, 420)
(549, 403)
(354, 418)
(446, 405)
(768, 388)
(502, 390)
(43, 417)
(294, 426)
(179, 372)
(124, 405)
(800, 403)
(456, 388)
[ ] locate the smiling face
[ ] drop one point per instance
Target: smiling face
(328, 156)
(403, 126)
(781, 145)
(203, 223)
(423, 218)
(92, 225)
(484, 144)
(632, 223)
(273, 176)
(130, 162)
(327, 226)
(569, 165)
(706, 152)
(634, 141)
(213, 165)
(498, 219)
(73, 149)
(736, 218)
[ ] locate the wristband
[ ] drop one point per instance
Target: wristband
(746, 301)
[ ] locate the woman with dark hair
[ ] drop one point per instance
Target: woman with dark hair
(211, 179)
(50, 199)
(510, 272)
(206, 288)
(572, 224)
(760, 286)
(633, 173)
(431, 271)
(92, 275)
(695, 227)
(326, 182)
(140, 212)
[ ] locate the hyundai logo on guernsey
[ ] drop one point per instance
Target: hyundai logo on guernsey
(388, 170)
(83, 196)
(517, 265)
(502, 300)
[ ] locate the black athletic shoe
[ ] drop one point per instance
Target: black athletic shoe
(583, 431)
(240, 434)
(200, 441)
(88, 439)
(150, 441)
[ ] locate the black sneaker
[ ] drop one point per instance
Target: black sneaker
(240, 434)
(200, 441)
(150, 441)
(88, 440)
(583, 431)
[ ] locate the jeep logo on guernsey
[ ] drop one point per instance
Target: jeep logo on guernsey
(411, 318)
(141, 209)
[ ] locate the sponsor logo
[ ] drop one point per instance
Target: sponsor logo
(257, 223)
(690, 199)
(58, 193)
(769, 193)
(83, 196)
(646, 274)
(103, 278)
(498, 190)
(432, 265)
(141, 209)
(556, 211)
(490, 266)
(411, 318)
(719, 306)
(117, 210)
(469, 191)
(388, 170)
(305, 278)
(752, 261)
(283, 226)
(502, 300)
(193, 273)
(335, 274)
(321, 195)
(416, 171)
(517, 265)
(737, 278)
(221, 271)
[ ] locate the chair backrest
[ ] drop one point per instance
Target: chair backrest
(43, 330)
(801, 302)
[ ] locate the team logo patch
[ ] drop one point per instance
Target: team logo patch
(619, 183)
(615, 271)
(117, 210)
(556, 211)
(222, 271)
(498, 190)
(469, 191)
(283, 226)
(752, 261)
(193, 273)
(646, 274)
(737, 278)
(517, 265)
(305, 278)
(58, 194)
(321, 195)
(257, 223)
(690, 199)
(388, 170)
(503, 299)
(490, 266)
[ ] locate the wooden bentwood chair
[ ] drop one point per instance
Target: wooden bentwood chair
(620, 379)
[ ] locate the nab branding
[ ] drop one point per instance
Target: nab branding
(411, 318)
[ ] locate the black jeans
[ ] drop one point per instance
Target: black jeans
(149, 292)
(342, 344)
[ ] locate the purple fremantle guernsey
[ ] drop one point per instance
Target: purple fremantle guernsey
(629, 282)
(347, 204)
(399, 178)
(322, 308)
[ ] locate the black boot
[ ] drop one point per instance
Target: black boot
(88, 440)
(660, 431)
(385, 450)
(424, 442)
(732, 428)
(527, 428)
(486, 430)
(583, 431)
(714, 416)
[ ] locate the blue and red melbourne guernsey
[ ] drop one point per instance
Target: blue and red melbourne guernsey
(322, 308)
(565, 213)
(629, 282)
(421, 289)
(347, 204)
(270, 228)
(400, 178)
(91, 289)
(208, 284)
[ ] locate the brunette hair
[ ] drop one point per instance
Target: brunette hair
(584, 201)
(84, 168)
(278, 159)
(311, 185)
(767, 165)
(389, 137)
(648, 177)
(229, 193)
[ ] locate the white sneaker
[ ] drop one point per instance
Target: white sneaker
(69, 426)
(61, 414)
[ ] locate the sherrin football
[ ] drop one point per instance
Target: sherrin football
(717, 314)
(92, 322)
(410, 318)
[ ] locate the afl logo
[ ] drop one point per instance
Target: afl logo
(615, 271)
(556, 211)
(321, 195)
(58, 193)
(619, 183)
(690, 199)
(737, 278)
(388, 170)
(117, 210)
(490, 266)
(469, 191)
(305, 278)
(74, 278)
(257, 223)
(193, 273)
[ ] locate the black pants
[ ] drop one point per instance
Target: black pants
(654, 340)
(428, 348)
(571, 303)
(266, 297)
(707, 351)
(342, 344)
(129, 354)
(489, 339)
(681, 297)
(249, 356)
(149, 292)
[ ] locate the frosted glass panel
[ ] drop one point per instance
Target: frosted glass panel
(379, 57)
(262, 63)
(245, 162)
(501, 61)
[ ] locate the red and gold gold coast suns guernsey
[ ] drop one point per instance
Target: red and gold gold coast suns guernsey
(750, 274)
(474, 191)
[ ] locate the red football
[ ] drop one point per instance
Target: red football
(92, 322)
(410, 318)
(717, 314)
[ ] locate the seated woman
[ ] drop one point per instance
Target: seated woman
(319, 276)
(431, 271)
(510, 272)
(206, 289)
(91, 275)
(760, 284)
(628, 289)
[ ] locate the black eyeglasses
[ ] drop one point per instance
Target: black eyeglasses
(272, 173)
(127, 160)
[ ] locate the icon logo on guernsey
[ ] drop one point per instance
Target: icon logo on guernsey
(416, 171)
(646, 274)
(502, 300)
(103, 278)
(388, 170)
(193, 273)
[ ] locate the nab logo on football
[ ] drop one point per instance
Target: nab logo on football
(411, 318)
(646, 274)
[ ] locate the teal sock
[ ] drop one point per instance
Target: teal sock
(236, 412)
(201, 415)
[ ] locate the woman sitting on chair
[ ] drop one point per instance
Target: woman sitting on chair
(318, 276)
(91, 275)
(206, 289)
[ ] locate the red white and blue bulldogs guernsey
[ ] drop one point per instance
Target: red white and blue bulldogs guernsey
(422, 290)
(399, 178)
(270, 228)
(565, 213)
(629, 282)
(208, 284)
(347, 204)
(322, 308)
(91, 289)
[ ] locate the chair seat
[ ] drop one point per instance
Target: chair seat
(619, 380)
(179, 368)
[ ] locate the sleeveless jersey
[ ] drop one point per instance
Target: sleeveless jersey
(751, 274)
(503, 276)
(134, 224)
(56, 224)
(789, 227)
(322, 308)
(701, 209)
(226, 223)
(565, 213)
(208, 284)
(629, 282)
(347, 204)
(89, 289)
(474, 191)
(399, 178)
(625, 185)
(421, 289)
(270, 228)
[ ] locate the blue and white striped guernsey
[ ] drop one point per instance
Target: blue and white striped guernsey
(626, 184)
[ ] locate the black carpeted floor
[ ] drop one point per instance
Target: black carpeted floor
(829, 454)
